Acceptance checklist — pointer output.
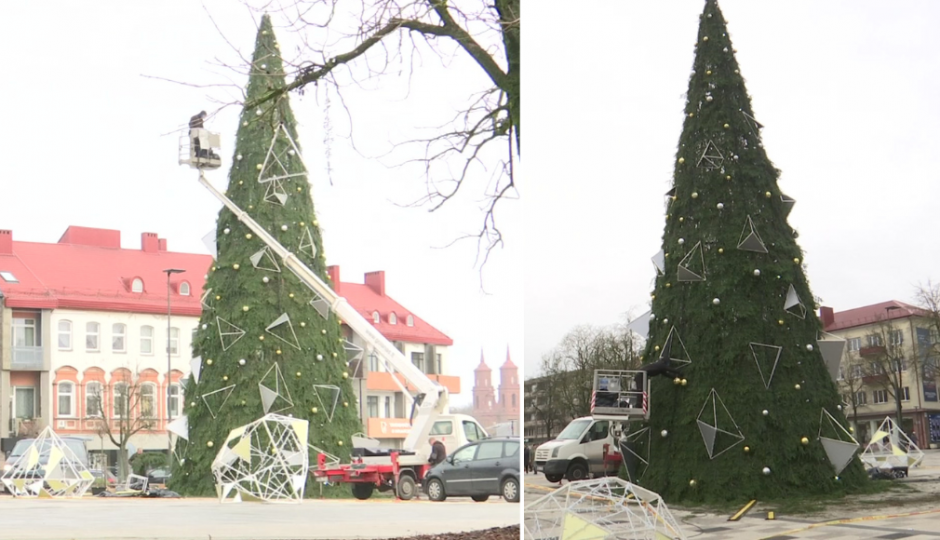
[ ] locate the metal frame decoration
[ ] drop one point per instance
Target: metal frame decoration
(839, 451)
(266, 460)
(757, 358)
(228, 332)
(890, 447)
(710, 431)
(608, 507)
(750, 240)
(793, 305)
(831, 348)
(317, 388)
(263, 259)
(269, 396)
(284, 319)
(713, 160)
(685, 273)
(226, 393)
(48, 468)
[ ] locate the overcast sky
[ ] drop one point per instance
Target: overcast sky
(846, 89)
(83, 146)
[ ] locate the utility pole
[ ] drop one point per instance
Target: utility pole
(169, 368)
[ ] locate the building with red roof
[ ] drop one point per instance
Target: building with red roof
(83, 316)
(887, 360)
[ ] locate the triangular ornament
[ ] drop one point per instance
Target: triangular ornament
(279, 157)
(206, 300)
(264, 260)
(793, 305)
(228, 333)
(678, 355)
(216, 400)
(831, 348)
(711, 157)
(321, 305)
(719, 430)
(209, 240)
(180, 426)
(840, 453)
(275, 395)
(307, 246)
(659, 261)
(641, 325)
(283, 330)
(328, 395)
(750, 240)
(353, 351)
(275, 193)
(195, 367)
(692, 266)
(788, 203)
(638, 450)
(766, 357)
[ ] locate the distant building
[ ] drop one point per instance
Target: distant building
(884, 341)
(492, 406)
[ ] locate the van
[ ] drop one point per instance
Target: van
(586, 447)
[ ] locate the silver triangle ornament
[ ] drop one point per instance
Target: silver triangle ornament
(750, 240)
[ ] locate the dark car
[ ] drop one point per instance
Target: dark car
(158, 476)
(478, 470)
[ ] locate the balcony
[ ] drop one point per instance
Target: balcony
(874, 350)
(27, 359)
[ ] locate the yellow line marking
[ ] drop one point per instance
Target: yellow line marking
(852, 520)
(771, 516)
(743, 511)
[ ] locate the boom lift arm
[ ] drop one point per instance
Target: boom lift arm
(432, 398)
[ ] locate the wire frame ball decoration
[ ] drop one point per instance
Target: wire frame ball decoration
(265, 460)
(47, 468)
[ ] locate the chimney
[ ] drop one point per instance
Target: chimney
(149, 243)
(333, 271)
(827, 316)
(376, 282)
(162, 246)
(6, 242)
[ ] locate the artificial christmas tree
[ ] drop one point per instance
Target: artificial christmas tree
(755, 413)
(264, 344)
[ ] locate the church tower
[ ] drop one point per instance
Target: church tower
(484, 395)
(509, 398)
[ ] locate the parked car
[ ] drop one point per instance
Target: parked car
(478, 470)
(158, 476)
(17, 456)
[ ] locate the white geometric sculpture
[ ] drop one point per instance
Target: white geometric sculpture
(48, 468)
(265, 460)
(839, 444)
(604, 508)
(890, 447)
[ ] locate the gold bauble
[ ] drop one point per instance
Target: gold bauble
(804, 440)
(236, 266)
(345, 404)
(681, 219)
(677, 381)
(278, 351)
(334, 355)
(709, 72)
(313, 410)
(209, 444)
(224, 377)
(767, 194)
(261, 338)
(299, 189)
(691, 115)
(291, 295)
(726, 126)
(323, 331)
(656, 348)
(209, 362)
(747, 449)
(340, 443)
(345, 375)
(681, 160)
(705, 39)
(695, 194)
(728, 177)
(245, 308)
(668, 285)
(684, 382)
(301, 223)
(692, 483)
(721, 250)
(217, 297)
(248, 236)
(780, 322)
(796, 386)
(302, 324)
(298, 374)
(796, 260)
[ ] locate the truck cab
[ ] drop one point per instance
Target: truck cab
(581, 450)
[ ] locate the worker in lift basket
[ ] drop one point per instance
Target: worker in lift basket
(438, 452)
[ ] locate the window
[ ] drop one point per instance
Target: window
(906, 394)
(598, 431)
(65, 335)
(148, 400)
(874, 340)
(174, 400)
(376, 318)
(855, 344)
(409, 320)
(121, 400)
(857, 371)
(388, 407)
(417, 359)
(877, 368)
(465, 454)
(439, 370)
(392, 318)
(514, 400)
(118, 333)
(24, 332)
(861, 398)
(373, 362)
(511, 448)
(184, 289)
(66, 399)
(174, 341)
(372, 406)
(473, 432)
(9, 277)
(93, 399)
(490, 450)
(146, 340)
(841, 373)
(25, 402)
(895, 337)
(899, 364)
(879, 396)
(442, 427)
(137, 285)
(91, 336)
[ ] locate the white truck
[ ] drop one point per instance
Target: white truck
(590, 445)
(373, 467)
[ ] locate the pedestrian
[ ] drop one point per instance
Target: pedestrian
(197, 122)
(438, 452)
(527, 457)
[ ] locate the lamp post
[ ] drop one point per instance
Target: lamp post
(169, 368)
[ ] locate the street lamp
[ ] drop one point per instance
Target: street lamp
(169, 369)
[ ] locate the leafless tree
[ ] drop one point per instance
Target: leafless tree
(852, 380)
(927, 297)
(884, 362)
(132, 406)
(350, 43)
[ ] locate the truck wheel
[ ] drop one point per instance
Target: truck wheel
(405, 488)
(554, 478)
(436, 490)
(362, 490)
(577, 471)
(510, 490)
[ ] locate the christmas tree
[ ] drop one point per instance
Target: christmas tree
(264, 344)
(754, 412)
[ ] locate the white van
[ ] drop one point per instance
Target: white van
(586, 447)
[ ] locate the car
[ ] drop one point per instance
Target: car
(158, 476)
(478, 470)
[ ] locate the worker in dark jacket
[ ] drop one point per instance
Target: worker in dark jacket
(438, 452)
